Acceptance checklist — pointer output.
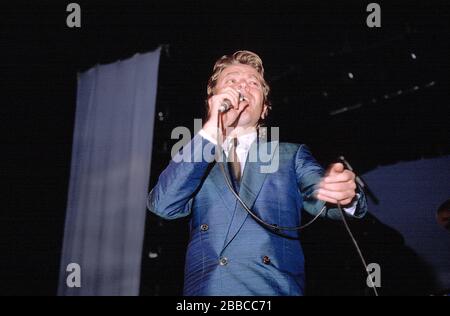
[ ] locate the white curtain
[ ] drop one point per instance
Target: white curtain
(110, 169)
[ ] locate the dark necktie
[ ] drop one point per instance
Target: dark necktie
(233, 159)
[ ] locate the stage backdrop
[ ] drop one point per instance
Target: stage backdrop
(410, 194)
(110, 168)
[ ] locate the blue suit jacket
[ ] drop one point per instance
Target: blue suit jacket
(229, 253)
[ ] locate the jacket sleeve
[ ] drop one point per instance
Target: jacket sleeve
(173, 194)
(309, 174)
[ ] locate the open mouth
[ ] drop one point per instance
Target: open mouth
(243, 99)
(244, 104)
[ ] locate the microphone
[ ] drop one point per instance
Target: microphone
(226, 104)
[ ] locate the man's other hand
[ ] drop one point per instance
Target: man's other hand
(338, 185)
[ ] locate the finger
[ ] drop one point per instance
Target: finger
(346, 202)
(233, 96)
(217, 100)
(333, 201)
(344, 176)
(338, 196)
(326, 199)
(338, 186)
(335, 168)
(231, 90)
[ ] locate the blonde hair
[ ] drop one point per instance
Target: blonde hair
(243, 57)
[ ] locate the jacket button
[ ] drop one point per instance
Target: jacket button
(204, 227)
(266, 260)
(223, 261)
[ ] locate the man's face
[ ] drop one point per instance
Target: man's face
(248, 82)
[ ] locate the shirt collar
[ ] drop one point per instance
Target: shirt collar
(245, 141)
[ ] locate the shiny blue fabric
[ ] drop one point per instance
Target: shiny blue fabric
(233, 254)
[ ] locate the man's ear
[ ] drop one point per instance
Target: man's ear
(264, 112)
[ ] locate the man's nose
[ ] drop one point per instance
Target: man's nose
(242, 85)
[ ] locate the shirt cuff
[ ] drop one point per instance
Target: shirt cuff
(206, 136)
(352, 208)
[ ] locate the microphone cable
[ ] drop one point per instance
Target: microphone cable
(355, 243)
(274, 227)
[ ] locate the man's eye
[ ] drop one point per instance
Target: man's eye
(231, 81)
(254, 83)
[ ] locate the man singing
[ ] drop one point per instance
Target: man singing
(229, 252)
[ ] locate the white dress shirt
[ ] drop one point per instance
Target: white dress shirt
(244, 143)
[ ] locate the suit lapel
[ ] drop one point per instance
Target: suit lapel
(250, 186)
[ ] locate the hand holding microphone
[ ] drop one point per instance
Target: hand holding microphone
(338, 185)
(227, 102)
(225, 106)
